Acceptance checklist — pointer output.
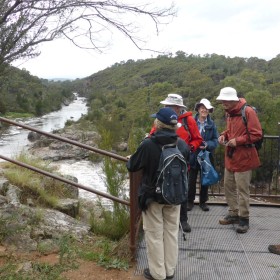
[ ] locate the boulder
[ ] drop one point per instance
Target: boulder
(33, 136)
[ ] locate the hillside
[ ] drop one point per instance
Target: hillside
(22, 93)
(123, 96)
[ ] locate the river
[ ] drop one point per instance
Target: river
(14, 140)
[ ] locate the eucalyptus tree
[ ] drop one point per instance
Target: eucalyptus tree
(24, 24)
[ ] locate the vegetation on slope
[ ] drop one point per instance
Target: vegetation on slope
(23, 93)
(123, 97)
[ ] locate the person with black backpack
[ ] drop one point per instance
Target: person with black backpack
(160, 207)
(241, 156)
(188, 131)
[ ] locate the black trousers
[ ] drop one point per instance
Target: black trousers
(203, 194)
(184, 212)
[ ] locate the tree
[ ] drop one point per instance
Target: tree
(24, 24)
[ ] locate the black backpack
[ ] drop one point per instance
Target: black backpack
(172, 183)
(257, 144)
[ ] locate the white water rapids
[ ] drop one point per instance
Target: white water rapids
(14, 140)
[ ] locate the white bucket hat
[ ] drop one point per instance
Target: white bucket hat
(173, 99)
(228, 94)
(206, 103)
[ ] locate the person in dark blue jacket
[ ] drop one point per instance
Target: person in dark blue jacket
(209, 133)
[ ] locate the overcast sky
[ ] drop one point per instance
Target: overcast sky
(244, 28)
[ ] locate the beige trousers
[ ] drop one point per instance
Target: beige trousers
(161, 226)
(237, 192)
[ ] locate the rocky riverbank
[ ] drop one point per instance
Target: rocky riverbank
(51, 149)
(27, 227)
(52, 222)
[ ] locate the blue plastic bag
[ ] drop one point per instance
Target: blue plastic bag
(209, 176)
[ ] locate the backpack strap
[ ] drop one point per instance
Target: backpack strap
(244, 119)
(185, 124)
(243, 109)
(241, 114)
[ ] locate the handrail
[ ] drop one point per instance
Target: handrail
(134, 214)
(135, 177)
(76, 143)
(66, 180)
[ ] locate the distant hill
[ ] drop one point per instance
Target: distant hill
(23, 93)
(59, 79)
(123, 96)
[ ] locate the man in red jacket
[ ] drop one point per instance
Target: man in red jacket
(241, 157)
(188, 131)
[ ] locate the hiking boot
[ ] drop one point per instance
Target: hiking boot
(275, 249)
(147, 274)
(185, 226)
(190, 205)
(228, 220)
(243, 226)
(204, 206)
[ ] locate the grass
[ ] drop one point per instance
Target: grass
(114, 224)
(95, 249)
(14, 115)
(99, 247)
(43, 190)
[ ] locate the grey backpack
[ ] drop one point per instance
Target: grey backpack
(172, 183)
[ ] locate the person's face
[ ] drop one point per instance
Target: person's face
(203, 112)
(228, 105)
(177, 109)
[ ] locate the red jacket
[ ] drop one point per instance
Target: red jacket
(243, 158)
(191, 136)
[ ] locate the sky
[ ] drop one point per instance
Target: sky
(242, 28)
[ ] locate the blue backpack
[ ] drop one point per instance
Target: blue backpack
(172, 183)
(209, 176)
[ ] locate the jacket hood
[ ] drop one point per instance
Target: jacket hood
(165, 136)
(185, 114)
(237, 108)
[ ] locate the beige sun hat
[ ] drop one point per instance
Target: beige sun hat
(173, 99)
(206, 103)
(228, 94)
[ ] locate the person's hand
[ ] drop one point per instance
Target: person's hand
(222, 140)
(231, 143)
(203, 145)
(128, 157)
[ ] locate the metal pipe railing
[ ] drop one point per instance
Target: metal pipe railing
(63, 139)
(134, 182)
(135, 213)
(111, 197)
(135, 177)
